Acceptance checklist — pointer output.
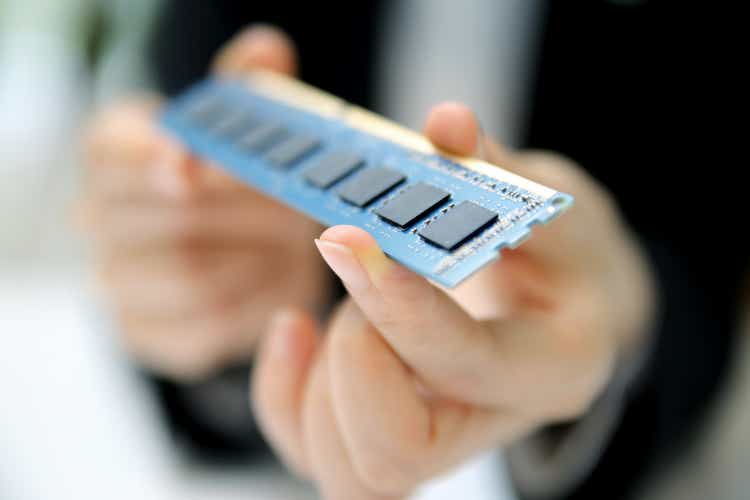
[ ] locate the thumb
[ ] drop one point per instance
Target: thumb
(257, 47)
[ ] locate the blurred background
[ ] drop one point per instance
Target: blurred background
(76, 421)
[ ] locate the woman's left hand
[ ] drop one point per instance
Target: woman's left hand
(410, 381)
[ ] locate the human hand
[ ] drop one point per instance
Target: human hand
(191, 260)
(409, 380)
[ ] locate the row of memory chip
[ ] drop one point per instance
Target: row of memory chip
(283, 149)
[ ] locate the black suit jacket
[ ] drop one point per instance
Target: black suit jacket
(624, 88)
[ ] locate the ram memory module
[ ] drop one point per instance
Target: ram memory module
(444, 217)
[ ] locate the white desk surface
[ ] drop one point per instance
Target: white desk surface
(75, 422)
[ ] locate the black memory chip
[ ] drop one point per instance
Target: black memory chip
(409, 205)
(207, 109)
(262, 137)
(332, 168)
(292, 150)
(453, 228)
(370, 184)
(235, 123)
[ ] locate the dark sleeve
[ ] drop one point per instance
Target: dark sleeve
(624, 107)
(684, 374)
(211, 419)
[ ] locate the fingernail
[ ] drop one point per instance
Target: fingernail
(344, 263)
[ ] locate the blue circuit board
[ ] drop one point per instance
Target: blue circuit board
(189, 118)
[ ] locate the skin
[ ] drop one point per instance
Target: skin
(405, 381)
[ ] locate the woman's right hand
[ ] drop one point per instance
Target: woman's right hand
(192, 261)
